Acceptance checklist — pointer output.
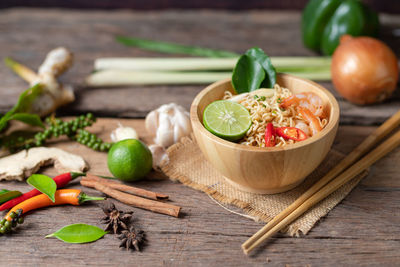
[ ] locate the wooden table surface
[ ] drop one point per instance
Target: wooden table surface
(364, 229)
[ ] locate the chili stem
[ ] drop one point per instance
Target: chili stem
(83, 198)
(75, 175)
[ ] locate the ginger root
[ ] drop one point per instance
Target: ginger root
(26, 162)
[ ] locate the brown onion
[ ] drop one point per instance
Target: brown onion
(364, 70)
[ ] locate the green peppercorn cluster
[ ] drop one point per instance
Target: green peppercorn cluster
(74, 130)
(16, 218)
(91, 140)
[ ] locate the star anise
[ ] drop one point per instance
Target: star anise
(116, 220)
(131, 239)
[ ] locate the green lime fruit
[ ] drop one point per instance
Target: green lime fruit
(227, 119)
(129, 160)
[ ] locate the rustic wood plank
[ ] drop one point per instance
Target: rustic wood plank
(378, 5)
(90, 35)
(362, 230)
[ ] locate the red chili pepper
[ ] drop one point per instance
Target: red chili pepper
(269, 135)
(291, 133)
(61, 181)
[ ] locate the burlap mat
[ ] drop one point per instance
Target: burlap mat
(187, 165)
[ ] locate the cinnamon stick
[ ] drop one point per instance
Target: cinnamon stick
(139, 202)
(126, 188)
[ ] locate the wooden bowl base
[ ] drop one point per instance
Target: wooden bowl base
(263, 191)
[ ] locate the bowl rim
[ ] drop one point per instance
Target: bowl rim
(197, 125)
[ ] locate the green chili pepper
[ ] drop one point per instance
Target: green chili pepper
(325, 21)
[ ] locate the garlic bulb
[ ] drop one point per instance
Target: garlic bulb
(122, 133)
(169, 123)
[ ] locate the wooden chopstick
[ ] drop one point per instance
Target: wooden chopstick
(332, 186)
(387, 127)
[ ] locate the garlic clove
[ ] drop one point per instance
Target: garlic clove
(159, 156)
(178, 133)
(122, 133)
(151, 122)
(183, 121)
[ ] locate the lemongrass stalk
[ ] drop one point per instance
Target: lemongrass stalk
(109, 78)
(324, 75)
(196, 64)
(24, 72)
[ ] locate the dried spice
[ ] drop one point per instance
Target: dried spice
(116, 220)
(131, 239)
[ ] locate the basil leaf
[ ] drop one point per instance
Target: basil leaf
(31, 119)
(166, 47)
(78, 233)
(8, 195)
(247, 75)
(44, 184)
(258, 54)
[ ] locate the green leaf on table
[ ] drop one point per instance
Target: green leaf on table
(44, 184)
(78, 233)
(31, 119)
(172, 48)
(247, 75)
(258, 54)
(6, 195)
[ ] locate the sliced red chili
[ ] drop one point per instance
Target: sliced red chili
(291, 133)
(270, 135)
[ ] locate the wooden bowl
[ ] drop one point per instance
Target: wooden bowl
(265, 170)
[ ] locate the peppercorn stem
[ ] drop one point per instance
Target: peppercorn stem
(83, 198)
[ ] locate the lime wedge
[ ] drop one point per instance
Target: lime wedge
(226, 119)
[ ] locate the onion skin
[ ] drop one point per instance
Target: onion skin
(364, 70)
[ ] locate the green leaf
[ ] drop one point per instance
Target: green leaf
(78, 233)
(258, 54)
(247, 75)
(172, 48)
(4, 120)
(26, 99)
(6, 195)
(44, 184)
(23, 105)
(31, 119)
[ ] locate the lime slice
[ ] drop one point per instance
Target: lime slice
(226, 119)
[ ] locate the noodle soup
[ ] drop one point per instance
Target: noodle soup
(278, 116)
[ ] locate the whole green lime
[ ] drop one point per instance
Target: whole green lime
(129, 160)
